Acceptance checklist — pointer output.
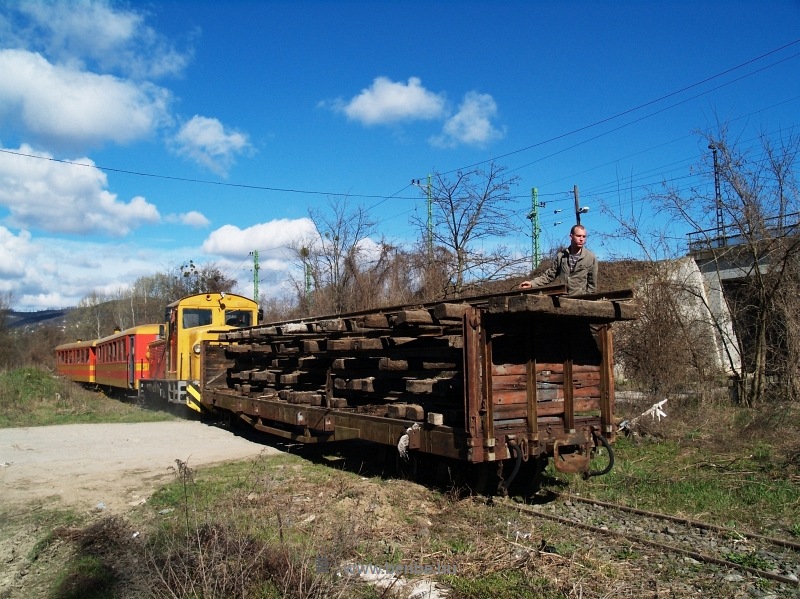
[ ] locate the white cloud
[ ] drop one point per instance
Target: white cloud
(58, 273)
(387, 101)
(83, 31)
(206, 142)
(15, 250)
(51, 272)
(66, 198)
(63, 105)
(472, 124)
(192, 218)
(276, 236)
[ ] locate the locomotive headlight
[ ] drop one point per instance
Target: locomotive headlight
(196, 348)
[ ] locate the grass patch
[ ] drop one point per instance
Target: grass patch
(86, 577)
(713, 473)
(36, 397)
(506, 584)
(30, 544)
(45, 522)
(749, 560)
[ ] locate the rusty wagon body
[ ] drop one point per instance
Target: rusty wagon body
(514, 375)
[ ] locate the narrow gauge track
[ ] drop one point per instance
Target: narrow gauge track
(758, 555)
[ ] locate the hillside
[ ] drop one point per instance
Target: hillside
(26, 319)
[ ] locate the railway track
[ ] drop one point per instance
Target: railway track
(752, 555)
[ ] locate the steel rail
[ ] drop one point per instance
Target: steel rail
(663, 546)
(688, 522)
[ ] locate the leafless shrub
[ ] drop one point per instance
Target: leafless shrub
(246, 544)
(665, 351)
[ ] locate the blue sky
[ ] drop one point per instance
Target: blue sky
(137, 136)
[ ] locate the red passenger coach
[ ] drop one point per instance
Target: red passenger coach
(77, 361)
(122, 359)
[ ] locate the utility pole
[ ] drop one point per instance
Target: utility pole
(307, 268)
(578, 209)
(536, 252)
(718, 199)
(430, 217)
(254, 254)
(429, 191)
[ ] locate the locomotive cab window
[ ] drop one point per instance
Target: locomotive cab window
(239, 318)
(196, 317)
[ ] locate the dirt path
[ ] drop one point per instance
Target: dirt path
(107, 466)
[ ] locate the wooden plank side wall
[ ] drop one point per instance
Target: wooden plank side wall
(541, 355)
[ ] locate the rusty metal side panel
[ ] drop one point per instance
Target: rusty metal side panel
(569, 386)
(215, 366)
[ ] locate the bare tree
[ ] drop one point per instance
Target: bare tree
(671, 346)
(150, 294)
(333, 259)
(469, 208)
(278, 308)
(206, 278)
(758, 239)
(92, 318)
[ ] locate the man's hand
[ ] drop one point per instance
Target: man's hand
(525, 285)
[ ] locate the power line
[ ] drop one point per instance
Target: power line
(650, 102)
(198, 181)
(647, 116)
(384, 198)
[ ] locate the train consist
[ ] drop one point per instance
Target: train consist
(158, 362)
(510, 378)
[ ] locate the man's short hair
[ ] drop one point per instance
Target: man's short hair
(572, 230)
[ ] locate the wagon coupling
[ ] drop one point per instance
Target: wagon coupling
(573, 452)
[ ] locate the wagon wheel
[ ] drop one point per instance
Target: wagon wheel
(533, 475)
(480, 478)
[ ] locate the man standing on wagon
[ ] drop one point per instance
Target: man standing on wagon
(574, 266)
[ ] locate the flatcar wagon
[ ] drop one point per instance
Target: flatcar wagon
(507, 377)
(77, 361)
(122, 358)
